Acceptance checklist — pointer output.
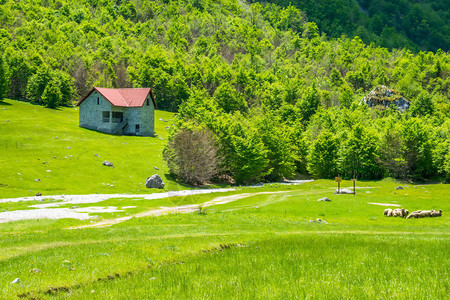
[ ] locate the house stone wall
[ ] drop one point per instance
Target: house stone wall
(91, 113)
(147, 118)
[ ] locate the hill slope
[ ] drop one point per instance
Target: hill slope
(412, 24)
(45, 144)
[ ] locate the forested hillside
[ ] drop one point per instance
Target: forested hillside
(416, 25)
(278, 96)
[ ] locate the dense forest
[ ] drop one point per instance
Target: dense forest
(276, 93)
(411, 24)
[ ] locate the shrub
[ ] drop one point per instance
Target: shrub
(192, 155)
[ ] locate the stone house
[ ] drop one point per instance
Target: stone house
(119, 111)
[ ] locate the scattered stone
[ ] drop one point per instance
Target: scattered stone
(73, 207)
(48, 171)
(154, 182)
(37, 180)
(38, 194)
(56, 137)
(68, 148)
(318, 221)
(415, 187)
(399, 188)
(343, 191)
(107, 163)
(70, 156)
(54, 157)
(153, 278)
(35, 270)
(156, 168)
(17, 280)
(324, 199)
(167, 128)
(19, 174)
(161, 119)
(97, 155)
(160, 138)
(367, 192)
(406, 186)
(7, 121)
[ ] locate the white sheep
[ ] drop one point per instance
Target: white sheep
(414, 214)
(425, 213)
(398, 212)
(387, 212)
(436, 213)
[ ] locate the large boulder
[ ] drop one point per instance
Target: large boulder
(108, 163)
(324, 199)
(343, 191)
(385, 97)
(154, 182)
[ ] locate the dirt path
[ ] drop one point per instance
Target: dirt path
(177, 209)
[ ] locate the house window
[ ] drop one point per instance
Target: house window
(98, 100)
(105, 115)
(148, 102)
(117, 116)
(137, 128)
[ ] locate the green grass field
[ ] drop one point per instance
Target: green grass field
(262, 246)
(34, 139)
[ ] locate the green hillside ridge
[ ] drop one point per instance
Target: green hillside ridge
(278, 96)
(34, 139)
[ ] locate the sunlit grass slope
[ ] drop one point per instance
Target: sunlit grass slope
(46, 144)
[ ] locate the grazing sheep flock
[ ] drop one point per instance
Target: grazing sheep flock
(398, 212)
(404, 213)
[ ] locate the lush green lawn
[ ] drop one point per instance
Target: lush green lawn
(34, 139)
(269, 248)
(259, 246)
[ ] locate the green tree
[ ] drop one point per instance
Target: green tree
(4, 78)
(37, 84)
(228, 99)
(323, 156)
(309, 103)
(51, 97)
(275, 137)
(358, 154)
(423, 105)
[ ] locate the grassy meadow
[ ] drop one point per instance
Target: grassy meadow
(47, 144)
(261, 246)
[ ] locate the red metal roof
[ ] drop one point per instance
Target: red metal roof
(123, 97)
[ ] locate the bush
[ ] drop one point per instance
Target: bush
(192, 155)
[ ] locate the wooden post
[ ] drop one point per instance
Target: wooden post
(338, 180)
(354, 186)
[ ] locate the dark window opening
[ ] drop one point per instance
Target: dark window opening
(117, 117)
(98, 100)
(148, 102)
(105, 116)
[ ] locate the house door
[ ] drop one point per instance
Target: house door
(138, 129)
